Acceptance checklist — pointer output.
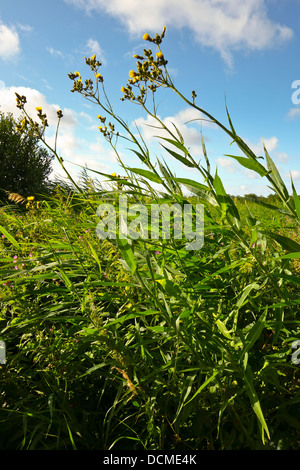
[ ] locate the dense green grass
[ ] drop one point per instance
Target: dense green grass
(142, 344)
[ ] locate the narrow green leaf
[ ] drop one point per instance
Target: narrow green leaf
(296, 200)
(176, 144)
(245, 293)
(207, 381)
(225, 200)
(286, 243)
(253, 165)
(143, 158)
(220, 191)
(279, 185)
(10, 237)
(146, 174)
(192, 183)
(289, 256)
(255, 402)
(127, 253)
(66, 279)
(254, 333)
(178, 157)
(222, 328)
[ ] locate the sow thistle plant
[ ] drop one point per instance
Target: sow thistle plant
(191, 348)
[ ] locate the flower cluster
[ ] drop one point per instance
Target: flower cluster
(21, 100)
(87, 88)
(149, 69)
(42, 117)
(27, 124)
(104, 130)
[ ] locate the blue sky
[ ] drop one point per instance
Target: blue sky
(247, 50)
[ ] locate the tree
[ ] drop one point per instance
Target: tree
(24, 165)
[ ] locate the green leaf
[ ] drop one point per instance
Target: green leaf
(129, 316)
(146, 174)
(182, 159)
(220, 191)
(225, 200)
(222, 328)
(255, 402)
(246, 292)
(253, 334)
(276, 178)
(176, 144)
(296, 200)
(127, 253)
(286, 243)
(205, 383)
(10, 237)
(253, 165)
(289, 256)
(143, 158)
(191, 183)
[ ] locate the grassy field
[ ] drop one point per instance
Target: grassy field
(143, 344)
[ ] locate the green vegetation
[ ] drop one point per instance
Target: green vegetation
(24, 165)
(143, 344)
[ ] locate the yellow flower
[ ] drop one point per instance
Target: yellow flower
(38, 108)
(146, 37)
(77, 74)
(98, 75)
(93, 57)
(123, 90)
(114, 174)
(159, 55)
(132, 74)
(30, 198)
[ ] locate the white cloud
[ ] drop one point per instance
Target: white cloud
(224, 25)
(269, 142)
(295, 174)
(25, 28)
(227, 163)
(93, 47)
(55, 53)
(293, 113)
(9, 42)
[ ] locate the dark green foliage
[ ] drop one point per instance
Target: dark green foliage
(24, 165)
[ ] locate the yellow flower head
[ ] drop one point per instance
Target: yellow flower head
(38, 108)
(123, 90)
(98, 75)
(146, 37)
(93, 57)
(30, 198)
(132, 74)
(77, 74)
(159, 55)
(114, 174)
